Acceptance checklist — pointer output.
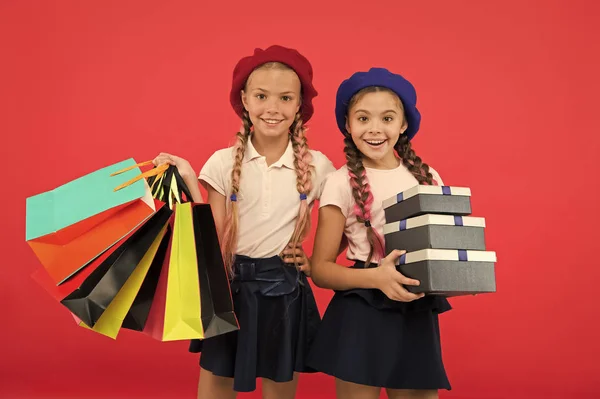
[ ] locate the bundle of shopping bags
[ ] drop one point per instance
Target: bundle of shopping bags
(124, 249)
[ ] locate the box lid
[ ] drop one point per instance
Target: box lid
(433, 219)
(447, 254)
(426, 190)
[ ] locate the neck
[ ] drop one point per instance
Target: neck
(389, 162)
(272, 148)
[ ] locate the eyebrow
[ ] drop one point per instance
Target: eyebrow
(367, 112)
(267, 91)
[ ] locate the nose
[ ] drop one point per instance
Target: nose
(272, 105)
(375, 126)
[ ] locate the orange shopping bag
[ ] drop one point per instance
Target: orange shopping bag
(70, 226)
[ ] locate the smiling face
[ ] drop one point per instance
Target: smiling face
(272, 99)
(375, 121)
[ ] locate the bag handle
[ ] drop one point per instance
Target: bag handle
(157, 171)
(166, 184)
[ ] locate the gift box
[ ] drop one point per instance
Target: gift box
(445, 246)
(450, 272)
(435, 231)
(424, 199)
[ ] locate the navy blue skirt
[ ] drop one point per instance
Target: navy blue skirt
(368, 339)
(278, 319)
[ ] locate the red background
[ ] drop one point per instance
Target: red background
(509, 95)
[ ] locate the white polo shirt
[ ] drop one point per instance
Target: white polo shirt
(268, 201)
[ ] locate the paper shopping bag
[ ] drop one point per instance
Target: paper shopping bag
(98, 290)
(155, 322)
(217, 310)
(111, 320)
(182, 308)
(136, 317)
(71, 225)
(130, 307)
(60, 292)
(192, 299)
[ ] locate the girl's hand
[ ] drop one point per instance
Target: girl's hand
(183, 167)
(390, 281)
(297, 255)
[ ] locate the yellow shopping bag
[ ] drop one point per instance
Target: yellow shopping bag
(182, 311)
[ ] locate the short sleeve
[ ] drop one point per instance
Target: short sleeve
(212, 173)
(323, 168)
(336, 191)
(436, 177)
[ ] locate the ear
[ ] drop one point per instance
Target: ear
(244, 99)
(404, 126)
(347, 125)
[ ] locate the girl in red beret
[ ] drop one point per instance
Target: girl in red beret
(261, 192)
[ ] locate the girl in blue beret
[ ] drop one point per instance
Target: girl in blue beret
(375, 334)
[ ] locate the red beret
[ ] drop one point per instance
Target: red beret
(289, 57)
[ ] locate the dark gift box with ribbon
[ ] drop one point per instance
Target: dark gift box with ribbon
(450, 272)
(422, 199)
(435, 231)
(445, 246)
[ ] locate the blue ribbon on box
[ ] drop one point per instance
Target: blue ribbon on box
(445, 191)
(403, 225)
(402, 259)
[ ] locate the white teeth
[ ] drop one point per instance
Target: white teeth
(373, 142)
(271, 121)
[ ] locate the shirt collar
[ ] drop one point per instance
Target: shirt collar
(287, 159)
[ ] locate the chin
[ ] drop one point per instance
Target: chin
(374, 155)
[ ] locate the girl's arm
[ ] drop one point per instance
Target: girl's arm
(217, 206)
(192, 183)
(326, 273)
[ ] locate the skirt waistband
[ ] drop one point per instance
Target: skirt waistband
(274, 276)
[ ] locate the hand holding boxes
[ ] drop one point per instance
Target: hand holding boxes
(445, 246)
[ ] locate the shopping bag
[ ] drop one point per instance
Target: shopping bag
(193, 298)
(130, 307)
(99, 289)
(217, 310)
(182, 308)
(112, 319)
(165, 278)
(136, 317)
(71, 225)
(60, 292)
(155, 322)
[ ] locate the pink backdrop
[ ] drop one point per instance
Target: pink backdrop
(509, 99)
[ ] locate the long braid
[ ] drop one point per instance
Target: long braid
(361, 191)
(302, 163)
(231, 219)
(412, 162)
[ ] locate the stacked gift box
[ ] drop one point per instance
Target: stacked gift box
(445, 246)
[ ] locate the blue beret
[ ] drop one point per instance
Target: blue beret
(383, 78)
